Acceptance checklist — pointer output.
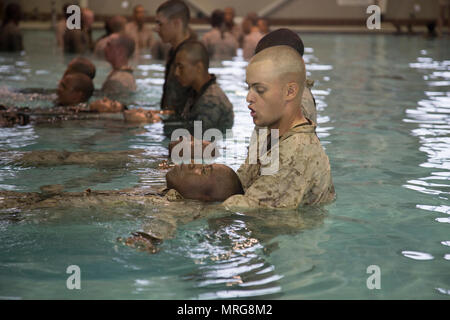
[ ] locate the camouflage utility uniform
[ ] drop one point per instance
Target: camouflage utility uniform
(303, 176)
(211, 106)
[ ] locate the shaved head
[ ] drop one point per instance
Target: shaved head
(196, 52)
(81, 65)
(284, 63)
(276, 80)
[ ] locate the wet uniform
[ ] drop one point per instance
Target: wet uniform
(211, 106)
(58, 198)
(303, 176)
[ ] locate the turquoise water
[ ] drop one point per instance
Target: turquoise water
(384, 119)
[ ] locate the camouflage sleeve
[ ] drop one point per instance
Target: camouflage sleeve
(209, 112)
(245, 174)
(284, 189)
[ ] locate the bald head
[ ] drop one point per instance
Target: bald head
(276, 80)
(214, 182)
(81, 65)
(281, 62)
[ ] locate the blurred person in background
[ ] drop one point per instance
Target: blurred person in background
(252, 35)
(10, 34)
(231, 26)
(113, 25)
(219, 42)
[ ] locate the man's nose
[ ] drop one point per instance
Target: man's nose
(250, 97)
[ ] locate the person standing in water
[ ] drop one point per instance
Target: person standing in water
(172, 18)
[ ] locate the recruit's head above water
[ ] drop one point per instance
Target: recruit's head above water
(276, 80)
(106, 105)
(119, 48)
(81, 65)
(172, 18)
(191, 65)
(74, 88)
(214, 182)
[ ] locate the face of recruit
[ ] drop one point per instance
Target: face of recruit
(265, 94)
(201, 182)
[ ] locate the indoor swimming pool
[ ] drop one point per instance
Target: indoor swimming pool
(383, 117)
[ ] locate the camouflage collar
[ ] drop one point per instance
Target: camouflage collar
(309, 127)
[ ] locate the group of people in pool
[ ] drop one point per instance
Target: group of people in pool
(279, 98)
(221, 42)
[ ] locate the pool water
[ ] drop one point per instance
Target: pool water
(384, 119)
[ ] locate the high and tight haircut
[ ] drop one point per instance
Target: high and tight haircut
(81, 65)
(197, 52)
(81, 83)
(175, 9)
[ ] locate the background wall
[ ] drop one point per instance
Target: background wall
(287, 9)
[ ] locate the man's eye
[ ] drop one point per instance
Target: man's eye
(260, 90)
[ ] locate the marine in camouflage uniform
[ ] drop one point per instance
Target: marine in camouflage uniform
(303, 176)
(174, 94)
(211, 106)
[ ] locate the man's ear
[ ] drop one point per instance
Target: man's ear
(199, 67)
(291, 91)
(177, 23)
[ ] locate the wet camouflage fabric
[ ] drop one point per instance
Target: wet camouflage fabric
(120, 81)
(308, 103)
(212, 108)
(303, 176)
(51, 197)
